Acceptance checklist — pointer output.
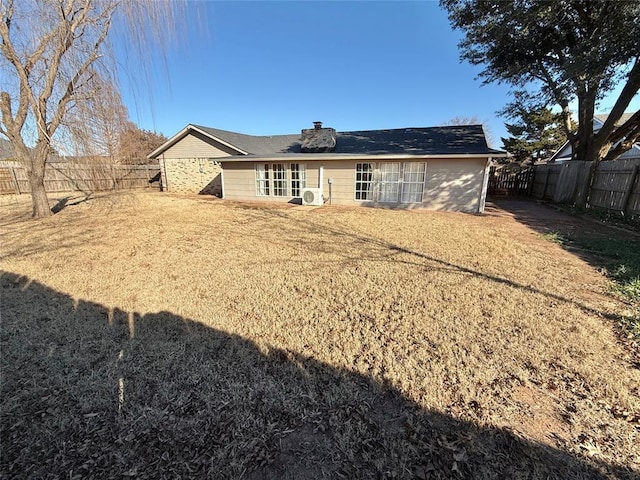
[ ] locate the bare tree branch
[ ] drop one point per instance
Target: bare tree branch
(55, 62)
(626, 95)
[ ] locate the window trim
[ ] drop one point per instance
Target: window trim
(404, 182)
(380, 182)
(404, 188)
(280, 180)
(372, 183)
(264, 181)
(301, 172)
(269, 179)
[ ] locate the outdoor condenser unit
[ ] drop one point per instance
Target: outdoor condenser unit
(311, 196)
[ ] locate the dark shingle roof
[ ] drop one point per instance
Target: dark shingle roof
(449, 140)
(257, 145)
(465, 139)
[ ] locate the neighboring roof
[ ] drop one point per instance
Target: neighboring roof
(602, 117)
(449, 140)
(564, 153)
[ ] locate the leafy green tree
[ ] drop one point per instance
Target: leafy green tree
(555, 52)
(535, 134)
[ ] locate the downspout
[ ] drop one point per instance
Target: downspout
(221, 181)
(485, 183)
(321, 181)
(164, 181)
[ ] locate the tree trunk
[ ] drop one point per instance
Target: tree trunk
(34, 162)
(39, 198)
(585, 147)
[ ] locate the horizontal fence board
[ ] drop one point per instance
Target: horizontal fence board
(7, 181)
(503, 181)
(615, 186)
(65, 177)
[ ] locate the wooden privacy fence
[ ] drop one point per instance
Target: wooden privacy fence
(85, 177)
(616, 184)
(503, 181)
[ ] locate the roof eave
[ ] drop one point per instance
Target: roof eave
(183, 133)
(357, 156)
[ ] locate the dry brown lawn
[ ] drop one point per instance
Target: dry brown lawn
(159, 336)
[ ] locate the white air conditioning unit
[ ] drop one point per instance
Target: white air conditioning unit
(311, 196)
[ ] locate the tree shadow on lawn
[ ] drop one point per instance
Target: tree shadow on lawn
(92, 392)
(70, 200)
(379, 250)
(610, 248)
(547, 220)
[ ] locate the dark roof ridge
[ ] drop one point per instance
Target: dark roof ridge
(212, 129)
(412, 128)
(202, 127)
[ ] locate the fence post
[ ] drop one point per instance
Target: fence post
(546, 181)
(114, 182)
(146, 169)
(627, 193)
(15, 179)
(530, 179)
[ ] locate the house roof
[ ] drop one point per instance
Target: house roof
(449, 140)
(602, 117)
(564, 153)
(257, 145)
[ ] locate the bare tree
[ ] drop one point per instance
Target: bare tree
(474, 120)
(96, 125)
(134, 144)
(53, 57)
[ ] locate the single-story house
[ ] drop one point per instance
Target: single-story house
(443, 168)
(564, 153)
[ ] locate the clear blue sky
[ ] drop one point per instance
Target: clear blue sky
(274, 67)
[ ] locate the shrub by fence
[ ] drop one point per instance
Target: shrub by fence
(85, 177)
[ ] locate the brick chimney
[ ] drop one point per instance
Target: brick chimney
(318, 139)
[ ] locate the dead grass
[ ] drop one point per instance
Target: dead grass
(155, 336)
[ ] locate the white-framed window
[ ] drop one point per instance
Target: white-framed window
(388, 182)
(279, 180)
(262, 179)
(413, 177)
(392, 182)
(298, 178)
(364, 181)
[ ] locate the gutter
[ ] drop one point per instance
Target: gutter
(381, 156)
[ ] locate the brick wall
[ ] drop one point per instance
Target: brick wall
(191, 175)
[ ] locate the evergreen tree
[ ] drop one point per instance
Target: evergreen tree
(535, 135)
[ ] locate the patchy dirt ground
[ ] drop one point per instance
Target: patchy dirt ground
(156, 336)
(546, 218)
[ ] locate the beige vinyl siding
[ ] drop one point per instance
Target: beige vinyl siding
(240, 182)
(196, 145)
(454, 185)
(451, 184)
(343, 174)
